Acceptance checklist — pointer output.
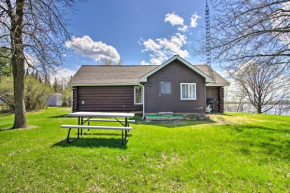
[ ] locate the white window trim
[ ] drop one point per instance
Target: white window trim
(141, 103)
(191, 99)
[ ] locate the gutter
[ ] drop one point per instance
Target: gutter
(143, 101)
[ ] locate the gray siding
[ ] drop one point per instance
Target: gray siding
(178, 73)
(110, 98)
(55, 100)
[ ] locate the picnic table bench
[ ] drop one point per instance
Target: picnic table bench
(90, 118)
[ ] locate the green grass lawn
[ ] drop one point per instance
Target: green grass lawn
(234, 152)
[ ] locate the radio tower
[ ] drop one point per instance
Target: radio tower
(208, 45)
(207, 25)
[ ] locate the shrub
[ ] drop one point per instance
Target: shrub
(36, 93)
(66, 96)
(64, 104)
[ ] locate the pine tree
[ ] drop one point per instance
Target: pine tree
(27, 72)
(55, 85)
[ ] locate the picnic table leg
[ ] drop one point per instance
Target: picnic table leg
(68, 134)
(88, 124)
(82, 118)
(124, 140)
(127, 124)
(70, 141)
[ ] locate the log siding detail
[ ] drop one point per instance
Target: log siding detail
(105, 98)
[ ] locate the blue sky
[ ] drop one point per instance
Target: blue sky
(137, 31)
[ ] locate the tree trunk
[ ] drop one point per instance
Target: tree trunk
(259, 109)
(18, 67)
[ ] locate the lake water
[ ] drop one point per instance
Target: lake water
(277, 110)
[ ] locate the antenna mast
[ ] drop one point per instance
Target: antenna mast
(208, 45)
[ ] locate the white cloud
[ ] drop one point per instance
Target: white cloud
(97, 50)
(193, 20)
(163, 48)
(183, 29)
(144, 63)
(140, 41)
(173, 19)
(64, 72)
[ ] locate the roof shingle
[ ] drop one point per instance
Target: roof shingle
(125, 74)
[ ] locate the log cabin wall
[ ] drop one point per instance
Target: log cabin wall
(105, 98)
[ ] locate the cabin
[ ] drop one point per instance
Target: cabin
(174, 87)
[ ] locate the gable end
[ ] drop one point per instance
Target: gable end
(176, 57)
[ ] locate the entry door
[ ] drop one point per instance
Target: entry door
(166, 96)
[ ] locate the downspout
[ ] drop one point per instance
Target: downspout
(143, 101)
(72, 100)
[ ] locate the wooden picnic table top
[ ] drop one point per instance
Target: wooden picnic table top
(101, 114)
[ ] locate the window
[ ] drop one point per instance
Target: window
(138, 94)
(165, 87)
(188, 91)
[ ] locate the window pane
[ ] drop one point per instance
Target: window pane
(138, 94)
(188, 91)
(165, 87)
(193, 91)
(183, 91)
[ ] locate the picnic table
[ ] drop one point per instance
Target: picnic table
(87, 117)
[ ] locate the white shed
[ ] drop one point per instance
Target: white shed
(55, 100)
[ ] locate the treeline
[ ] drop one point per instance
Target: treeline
(37, 89)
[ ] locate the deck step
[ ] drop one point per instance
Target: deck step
(163, 118)
(166, 113)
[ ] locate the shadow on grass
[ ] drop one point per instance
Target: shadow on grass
(177, 123)
(58, 116)
(17, 129)
(108, 134)
(6, 127)
(95, 142)
(223, 114)
(242, 128)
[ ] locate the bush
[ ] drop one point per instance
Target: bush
(66, 96)
(36, 93)
(64, 104)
